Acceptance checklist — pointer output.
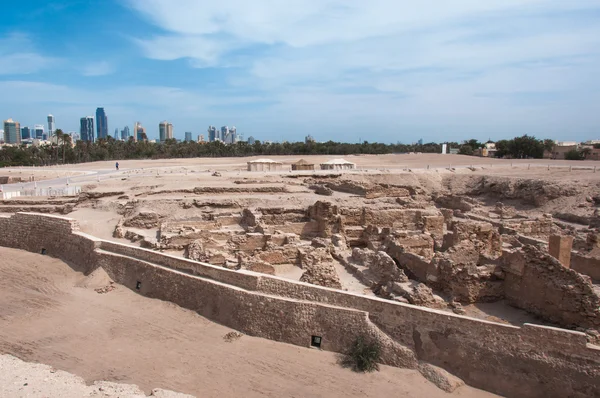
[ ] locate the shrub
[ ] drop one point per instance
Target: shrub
(364, 354)
(573, 154)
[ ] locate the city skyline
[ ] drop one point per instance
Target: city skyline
(387, 70)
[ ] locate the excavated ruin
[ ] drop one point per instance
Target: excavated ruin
(451, 245)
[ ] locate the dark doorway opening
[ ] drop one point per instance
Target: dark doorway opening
(43, 251)
(138, 285)
(315, 341)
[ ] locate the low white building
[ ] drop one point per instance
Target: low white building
(338, 164)
(264, 165)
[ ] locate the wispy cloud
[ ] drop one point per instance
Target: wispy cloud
(461, 64)
(100, 68)
(18, 56)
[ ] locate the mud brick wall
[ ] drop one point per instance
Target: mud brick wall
(530, 361)
(586, 265)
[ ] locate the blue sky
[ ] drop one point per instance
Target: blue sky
(377, 70)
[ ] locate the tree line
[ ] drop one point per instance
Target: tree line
(111, 149)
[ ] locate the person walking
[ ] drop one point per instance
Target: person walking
(117, 165)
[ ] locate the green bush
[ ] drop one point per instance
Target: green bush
(364, 354)
(573, 154)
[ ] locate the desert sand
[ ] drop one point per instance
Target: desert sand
(53, 315)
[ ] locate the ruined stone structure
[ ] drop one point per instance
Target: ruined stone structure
(526, 361)
(560, 248)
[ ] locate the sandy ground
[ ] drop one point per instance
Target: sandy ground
(19, 379)
(52, 315)
(390, 163)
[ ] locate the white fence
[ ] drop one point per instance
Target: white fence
(64, 191)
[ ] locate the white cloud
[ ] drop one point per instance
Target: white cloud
(100, 68)
(18, 56)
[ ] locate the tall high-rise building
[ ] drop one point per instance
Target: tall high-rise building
(116, 136)
(50, 125)
(86, 129)
(212, 133)
(12, 132)
(308, 138)
(165, 131)
(188, 136)
(101, 124)
(224, 132)
(231, 137)
(125, 133)
(201, 138)
(251, 140)
(39, 131)
(139, 132)
(25, 133)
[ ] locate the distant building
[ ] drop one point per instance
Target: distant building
(188, 136)
(74, 137)
(309, 138)
(51, 126)
(165, 131)
(116, 136)
(101, 124)
(212, 133)
(86, 129)
(139, 132)
(125, 133)
(231, 137)
(201, 138)
(38, 131)
(12, 132)
(420, 142)
(251, 140)
(224, 132)
(25, 133)
(592, 142)
(559, 151)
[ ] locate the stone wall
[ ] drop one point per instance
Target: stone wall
(531, 361)
(586, 265)
(540, 284)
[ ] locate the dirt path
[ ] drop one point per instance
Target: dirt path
(52, 315)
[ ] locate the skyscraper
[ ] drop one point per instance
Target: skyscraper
(188, 136)
(212, 133)
(224, 132)
(12, 132)
(116, 136)
(125, 133)
(139, 132)
(101, 124)
(165, 131)
(50, 125)
(86, 129)
(25, 133)
(39, 131)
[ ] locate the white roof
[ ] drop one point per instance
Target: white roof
(337, 161)
(263, 161)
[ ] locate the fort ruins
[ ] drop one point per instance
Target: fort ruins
(488, 276)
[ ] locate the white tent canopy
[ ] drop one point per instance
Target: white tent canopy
(337, 164)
